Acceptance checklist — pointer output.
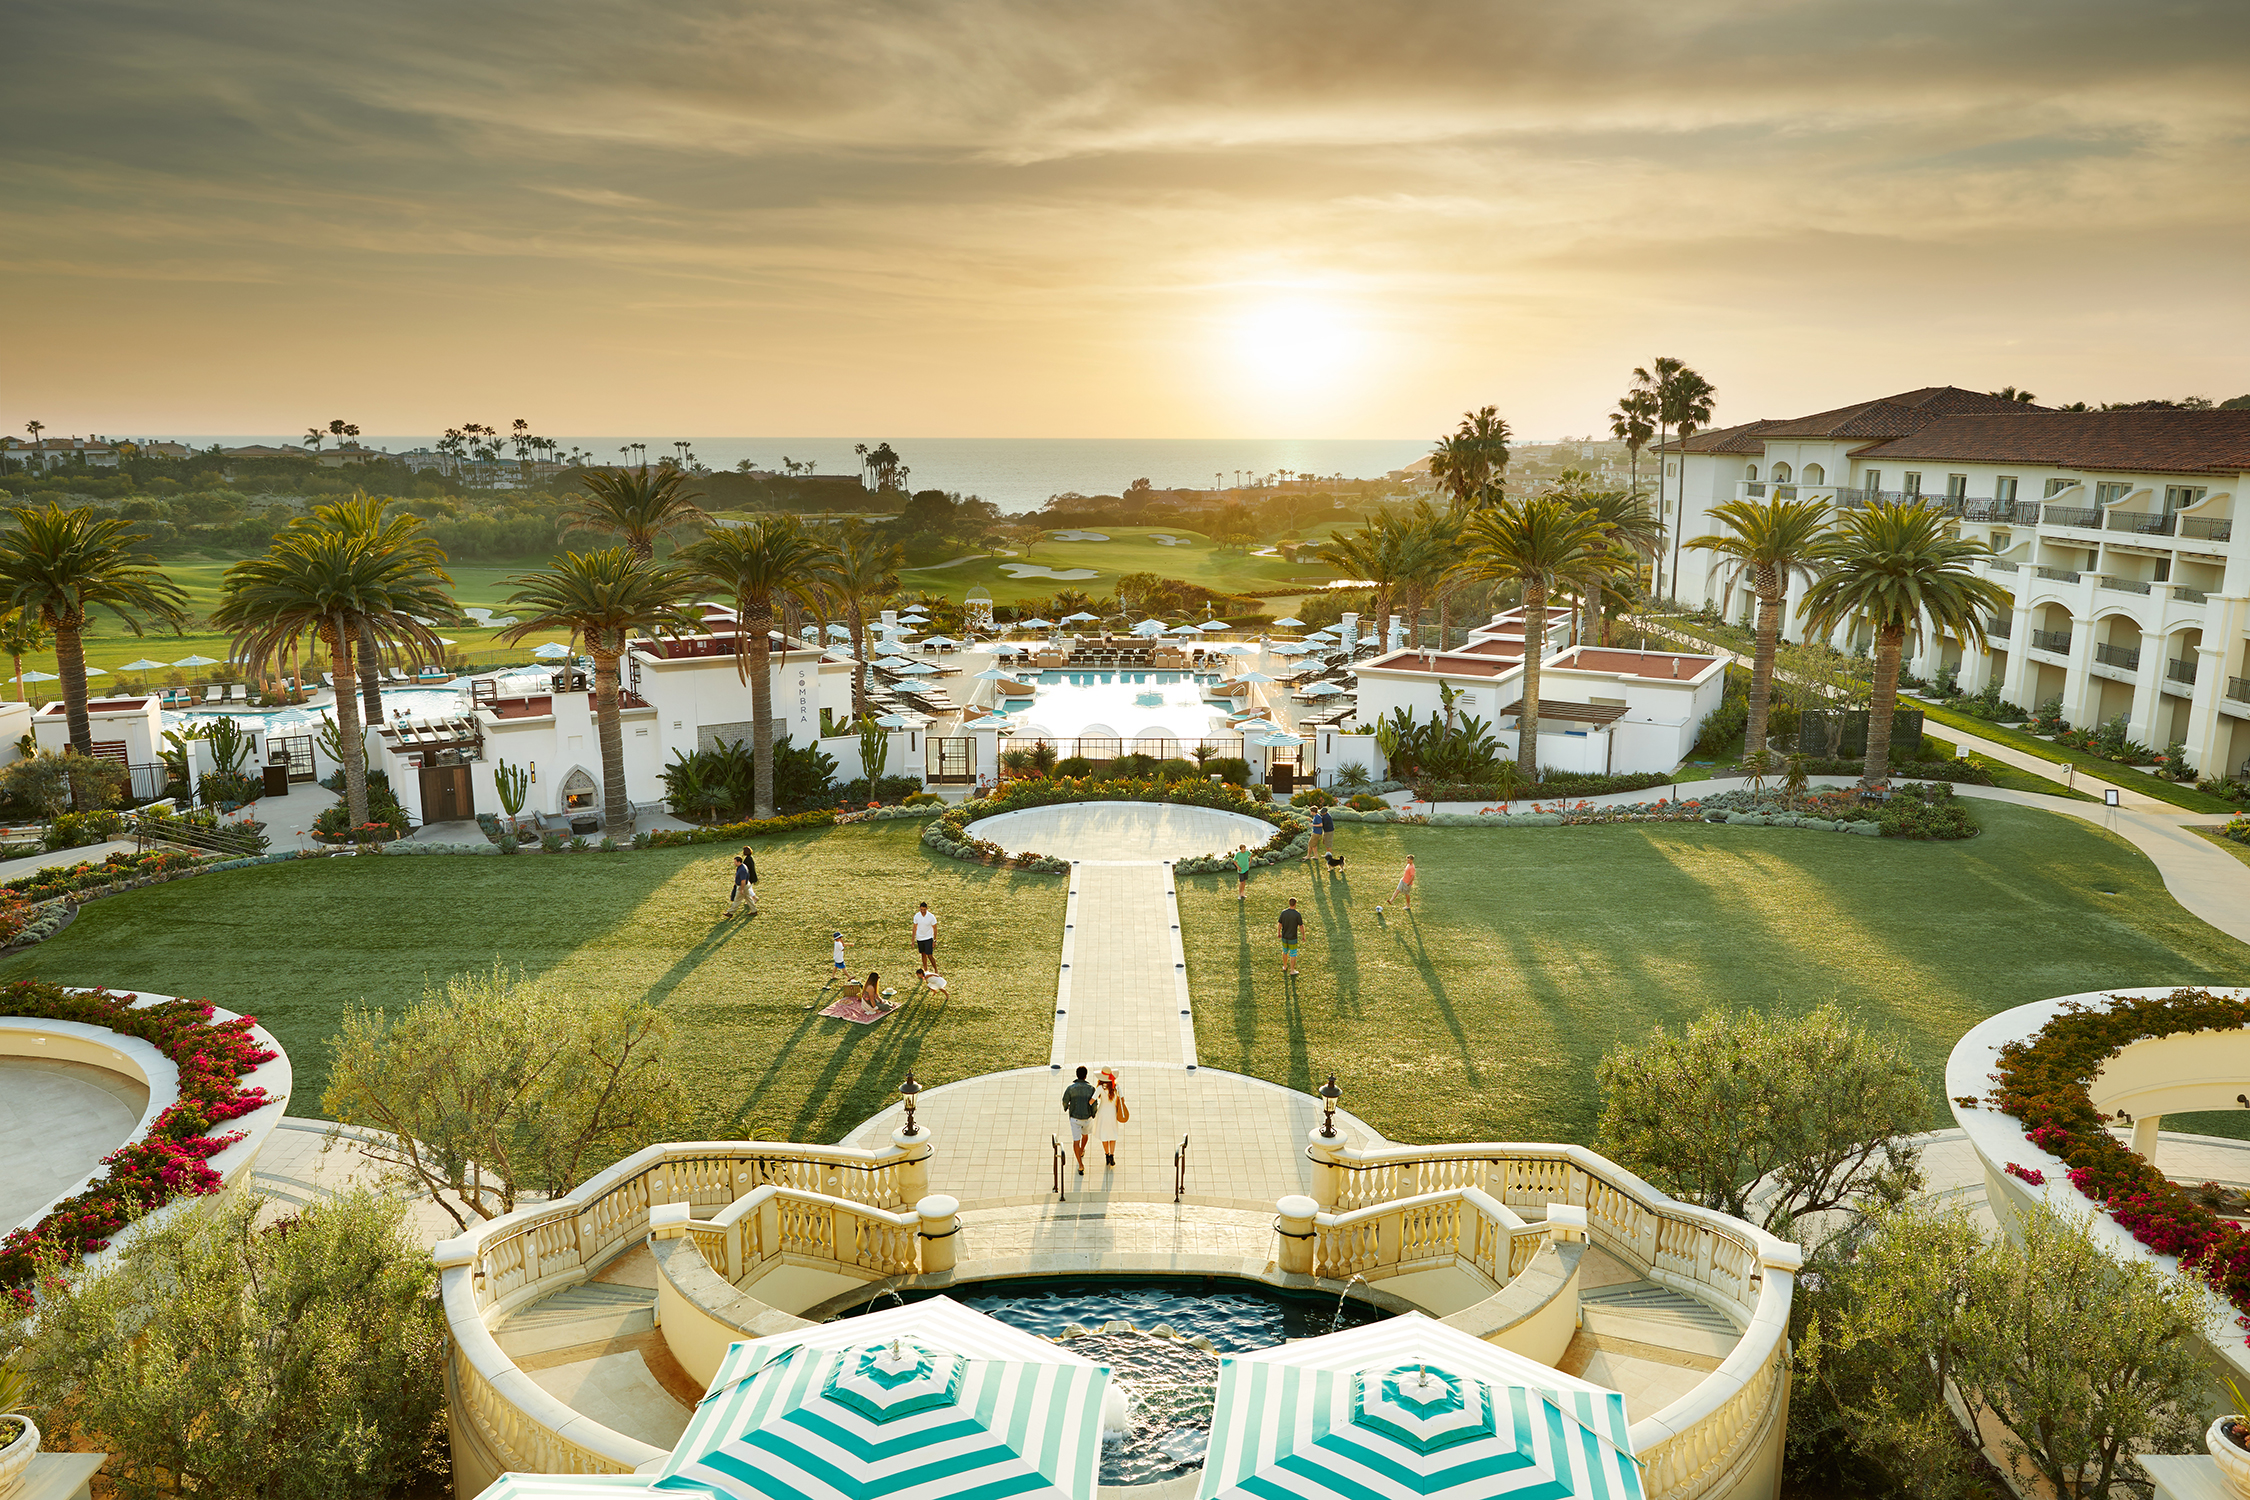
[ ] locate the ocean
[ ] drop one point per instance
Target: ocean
(1015, 474)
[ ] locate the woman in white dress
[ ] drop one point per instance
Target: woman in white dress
(1109, 1105)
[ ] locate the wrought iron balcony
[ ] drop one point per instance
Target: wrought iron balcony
(2180, 670)
(2207, 528)
(2001, 565)
(2128, 657)
(1998, 626)
(2141, 522)
(2238, 688)
(2057, 641)
(2072, 515)
(2060, 575)
(2123, 585)
(2186, 595)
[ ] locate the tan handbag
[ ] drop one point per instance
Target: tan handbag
(1123, 1114)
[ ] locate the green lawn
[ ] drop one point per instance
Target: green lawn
(1130, 549)
(1481, 1015)
(2105, 770)
(295, 944)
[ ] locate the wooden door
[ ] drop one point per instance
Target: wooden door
(446, 794)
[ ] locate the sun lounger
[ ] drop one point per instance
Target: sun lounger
(393, 674)
(214, 695)
(239, 693)
(328, 678)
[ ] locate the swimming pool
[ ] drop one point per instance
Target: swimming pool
(1120, 704)
(418, 702)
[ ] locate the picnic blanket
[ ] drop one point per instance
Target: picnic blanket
(852, 1008)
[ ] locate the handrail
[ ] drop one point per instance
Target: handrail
(1689, 1446)
(1179, 1171)
(1056, 1142)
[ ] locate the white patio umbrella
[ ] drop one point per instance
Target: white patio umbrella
(1007, 648)
(1291, 622)
(1409, 1407)
(144, 665)
(1251, 677)
(40, 677)
(441, 640)
(97, 671)
(195, 661)
(1184, 630)
(1290, 648)
(1149, 627)
(925, 1402)
(1322, 689)
(1212, 626)
(917, 668)
(1275, 741)
(940, 640)
(1236, 648)
(1081, 618)
(902, 721)
(551, 651)
(1036, 624)
(991, 674)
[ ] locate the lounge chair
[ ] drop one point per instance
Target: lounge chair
(214, 694)
(329, 678)
(239, 693)
(393, 674)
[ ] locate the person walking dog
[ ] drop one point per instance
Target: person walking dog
(1079, 1108)
(1109, 1113)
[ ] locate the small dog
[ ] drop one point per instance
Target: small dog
(1335, 862)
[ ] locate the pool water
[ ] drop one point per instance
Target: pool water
(1125, 705)
(1173, 1380)
(418, 703)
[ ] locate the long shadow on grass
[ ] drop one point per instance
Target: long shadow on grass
(1332, 898)
(723, 933)
(1245, 986)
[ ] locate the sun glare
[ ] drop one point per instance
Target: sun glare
(1295, 344)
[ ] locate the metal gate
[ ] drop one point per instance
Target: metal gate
(951, 760)
(295, 751)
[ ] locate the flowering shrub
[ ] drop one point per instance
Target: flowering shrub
(172, 1159)
(730, 833)
(2238, 828)
(2043, 1084)
(2031, 1175)
(45, 885)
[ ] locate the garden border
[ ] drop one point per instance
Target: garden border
(949, 835)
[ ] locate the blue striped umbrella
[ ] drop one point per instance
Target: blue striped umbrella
(928, 1402)
(1411, 1408)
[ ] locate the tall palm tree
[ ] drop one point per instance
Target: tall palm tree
(1469, 461)
(20, 635)
(1542, 544)
(1629, 524)
(1684, 401)
(58, 564)
(1633, 424)
(1766, 544)
(604, 598)
(862, 568)
(755, 565)
(364, 515)
(636, 504)
(325, 574)
(1896, 564)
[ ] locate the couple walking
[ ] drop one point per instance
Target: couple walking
(1095, 1110)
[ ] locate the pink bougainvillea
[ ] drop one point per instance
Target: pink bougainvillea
(173, 1159)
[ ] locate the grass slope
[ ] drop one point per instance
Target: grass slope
(1130, 549)
(296, 944)
(1480, 1016)
(2105, 770)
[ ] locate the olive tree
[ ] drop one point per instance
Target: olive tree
(492, 1085)
(223, 1361)
(1766, 1119)
(2066, 1359)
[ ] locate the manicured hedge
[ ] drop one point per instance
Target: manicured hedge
(2044, 1084)
(171, 1161)
(950, 835)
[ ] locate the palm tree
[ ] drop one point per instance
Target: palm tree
(1633, 424)
(604, 598)
(1629, 524)
(1766, 544)
(1683, 403)
(364, 516)
(327, 574)
(1896, 564)
(20, 636)
(1542, 544)
(754, 565)
(862, 568)
(1470, 460)
(56, 565)
(2010, 393)
(635, 504)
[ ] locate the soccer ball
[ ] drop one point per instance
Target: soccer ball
(1378, 911)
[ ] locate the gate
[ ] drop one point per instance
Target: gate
(951, 760)
(295, 752)
(447, 795)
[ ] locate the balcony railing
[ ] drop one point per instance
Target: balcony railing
(2180, 671)
(2238, 688)
(2128, 657)
(1754, 489)
(2057, 641)
(2123, 585)
(2186, 595)
(2072, 515)
(2060, 575)
(1998, 626)
(2141, 522)
(2207, 529)
(2001, 565)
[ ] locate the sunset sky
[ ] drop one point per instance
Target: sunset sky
(980, 218)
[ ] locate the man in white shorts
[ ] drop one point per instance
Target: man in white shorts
(925, 938)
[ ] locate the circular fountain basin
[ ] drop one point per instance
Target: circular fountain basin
(1172, 1376)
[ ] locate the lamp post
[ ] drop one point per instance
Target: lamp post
(907, 1091)
(1329, 1094)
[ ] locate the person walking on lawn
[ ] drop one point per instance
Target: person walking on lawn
(1292, 921)
(925, 939)
(1404, 894)
(743, 890)
(1079, 1108)
(1242, 859)
(1109, 1113)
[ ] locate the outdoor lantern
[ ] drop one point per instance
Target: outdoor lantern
(907, 1091)
(534, 773)
(1329, 1094)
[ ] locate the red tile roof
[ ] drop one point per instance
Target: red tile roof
(1884, 417)
(2161, 442)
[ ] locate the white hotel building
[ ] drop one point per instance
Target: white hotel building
(2115, 535)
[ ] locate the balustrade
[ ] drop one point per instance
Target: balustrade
(2180, 669)
(2057, 641)
(2238, 688)
(2072, 515)
(2000, 565)
(2059, 575)
(2140, 522)
(2207, 528)
(2123, 585)
(2128, 657)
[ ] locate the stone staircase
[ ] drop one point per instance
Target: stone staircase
(593, 1312)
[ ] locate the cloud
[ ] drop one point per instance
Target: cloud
(1015, 212)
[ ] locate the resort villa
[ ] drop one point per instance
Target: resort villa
(2113, 530)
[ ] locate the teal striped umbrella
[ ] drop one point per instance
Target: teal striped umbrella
(572, 1487)
(927, 1402)
(1411, 1408)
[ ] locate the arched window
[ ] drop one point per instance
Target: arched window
(1753, 474)
(1815, 474)
(1781, 473)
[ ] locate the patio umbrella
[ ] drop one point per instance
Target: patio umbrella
(925, 1402)
(144, 665)
(902, 721)
(1276, 741)
(97, 671)
(1149, 627)
(991, 674)
(195, 661)
(40, 677)
(940, 640)
(551, 651)
(441, 640)
(1410, 1407)
(1081, 618)
(1037, 624)
(1007, 648)
(1183, 630)
(917, 668)
(840, 632)
(1251, 677)
(1214, 625)
(1236, 648)
(1321, 689)
(1291, 621)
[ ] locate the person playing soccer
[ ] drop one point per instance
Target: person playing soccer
(1292, 922)
(836, 970)
(1404, 893)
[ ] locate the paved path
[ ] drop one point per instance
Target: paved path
(1122, 996)
(300, 1165)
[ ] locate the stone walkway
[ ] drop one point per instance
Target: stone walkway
(300, 1165)
(1122, 997)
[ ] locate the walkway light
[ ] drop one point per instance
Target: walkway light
(907, 1091)
(1329, 1094)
